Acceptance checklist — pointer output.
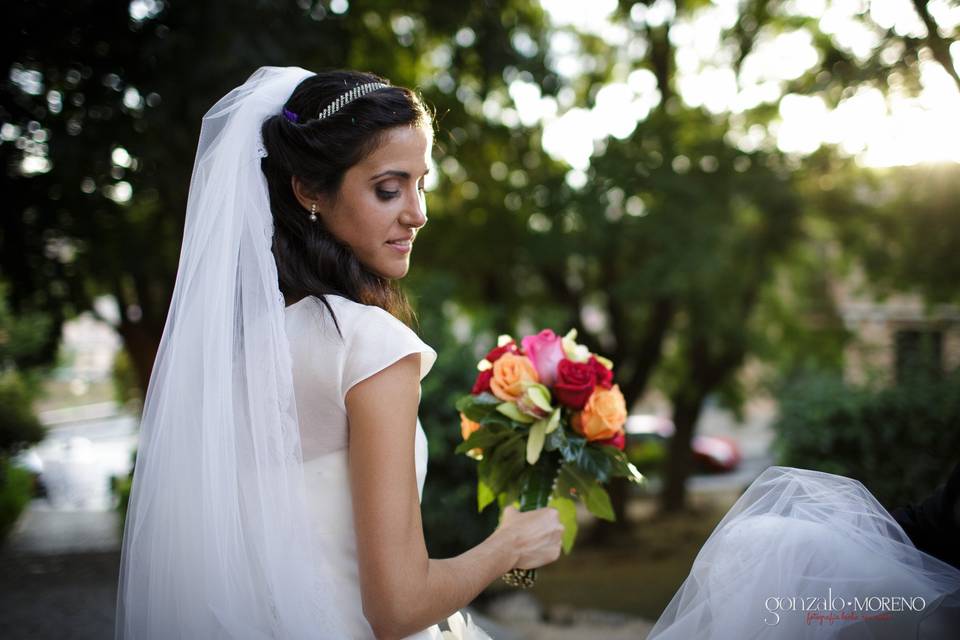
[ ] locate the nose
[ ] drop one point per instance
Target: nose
(414, 214)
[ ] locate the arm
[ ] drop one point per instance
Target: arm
(403, 590)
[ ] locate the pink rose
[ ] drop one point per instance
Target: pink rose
(545, 350)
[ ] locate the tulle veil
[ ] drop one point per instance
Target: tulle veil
(215, 543)
(800, 546)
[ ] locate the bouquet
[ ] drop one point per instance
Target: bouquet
(545, 422)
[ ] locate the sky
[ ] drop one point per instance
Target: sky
(879, 131)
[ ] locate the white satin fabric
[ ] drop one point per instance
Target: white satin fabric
(805, 555)
(325, 366)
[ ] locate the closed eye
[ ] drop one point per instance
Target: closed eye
(387, 194)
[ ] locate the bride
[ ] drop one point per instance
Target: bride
(281, 461)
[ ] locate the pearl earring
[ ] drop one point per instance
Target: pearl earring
(313, 212)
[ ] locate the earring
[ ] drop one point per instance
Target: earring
(313, 212)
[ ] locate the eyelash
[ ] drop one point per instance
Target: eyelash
(390, 195)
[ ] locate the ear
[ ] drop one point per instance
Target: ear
(304, 194)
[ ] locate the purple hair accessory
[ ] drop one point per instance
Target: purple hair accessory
(291, 116)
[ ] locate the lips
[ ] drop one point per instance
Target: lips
(401, 243)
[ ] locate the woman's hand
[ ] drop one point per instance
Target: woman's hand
(535, 535)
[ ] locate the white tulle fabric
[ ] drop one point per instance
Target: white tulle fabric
(217, 543)
(800, 536)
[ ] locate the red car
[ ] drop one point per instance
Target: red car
(712, 454)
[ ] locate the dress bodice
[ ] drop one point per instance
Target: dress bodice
(326, 363)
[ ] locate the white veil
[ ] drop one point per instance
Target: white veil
(805, 555)
(216, 540)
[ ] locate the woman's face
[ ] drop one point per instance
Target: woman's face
(380, 206)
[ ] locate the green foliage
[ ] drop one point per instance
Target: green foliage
(902, 225)
(126, 383)
(16, 488)
(120, 487)
(899, 441)
(19, 427)
(567, 510)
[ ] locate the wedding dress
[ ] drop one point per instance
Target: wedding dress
(809, 555)
(239, 523)
(325, 366)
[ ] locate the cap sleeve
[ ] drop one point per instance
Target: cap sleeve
(377, 341)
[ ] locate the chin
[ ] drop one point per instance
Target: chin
(393, 272)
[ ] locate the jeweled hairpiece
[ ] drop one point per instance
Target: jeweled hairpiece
(350, 96)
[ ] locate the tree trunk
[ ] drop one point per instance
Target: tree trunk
(687, 404)
(141, 343)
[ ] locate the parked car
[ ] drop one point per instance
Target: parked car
(647, 437)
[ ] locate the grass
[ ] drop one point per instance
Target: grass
(637, 574)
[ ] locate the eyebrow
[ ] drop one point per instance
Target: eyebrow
(396, 173)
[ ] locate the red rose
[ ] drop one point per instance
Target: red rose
(619, 441)
(575, 382)
(602, 375)
(483, 382)
(494, 355)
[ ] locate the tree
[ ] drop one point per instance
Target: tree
(101, 112)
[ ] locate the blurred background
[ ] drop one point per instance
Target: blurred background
(751, 206)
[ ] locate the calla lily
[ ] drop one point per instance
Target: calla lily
(574, 352)
(510, 410)
(554, 421)
(535, 440)
(604, 361)
(535, 401)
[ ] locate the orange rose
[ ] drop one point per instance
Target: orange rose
(467, 426)
(511, 374)
(603, 416)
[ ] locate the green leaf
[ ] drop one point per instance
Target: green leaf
(589, 457)
(497, 418)
(622, 467)
(508, 497)
(484, 438)
(572, 446)
(535, 441)
(594, 497)
(501, 466)
(598, 503)
(478, 407)
(595, 462)
(567, 509)
(484, 495)
(510, 410)
(555, 440)
(537, 484)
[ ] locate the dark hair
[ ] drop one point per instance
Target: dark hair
(310, 260)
